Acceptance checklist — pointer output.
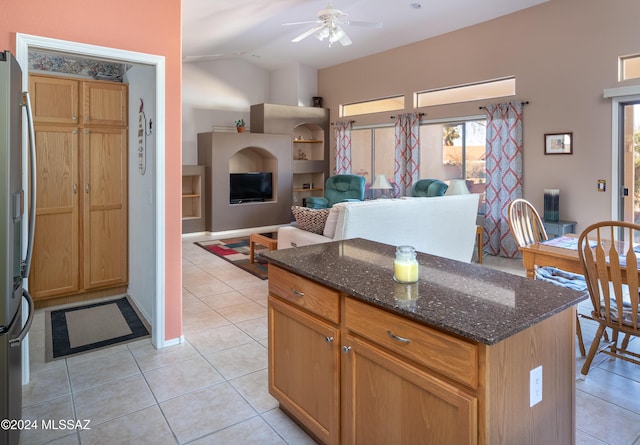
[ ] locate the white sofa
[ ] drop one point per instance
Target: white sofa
(442, 225)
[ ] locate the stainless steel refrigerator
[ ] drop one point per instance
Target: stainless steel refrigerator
(14, 265)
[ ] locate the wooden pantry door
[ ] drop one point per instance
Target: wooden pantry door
(105, 209)
(54, 268)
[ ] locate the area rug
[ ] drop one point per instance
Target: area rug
(236, 251)
(80, 329)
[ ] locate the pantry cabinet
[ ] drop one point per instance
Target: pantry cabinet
(81, 234)
(55, 265)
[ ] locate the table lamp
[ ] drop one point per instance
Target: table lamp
(458, 187)
(381, 183)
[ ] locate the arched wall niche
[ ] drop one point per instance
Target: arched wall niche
(224, 153)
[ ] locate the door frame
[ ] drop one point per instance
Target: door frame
(618, 96)
(25, 42)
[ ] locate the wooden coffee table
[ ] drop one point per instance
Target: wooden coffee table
(262, 240)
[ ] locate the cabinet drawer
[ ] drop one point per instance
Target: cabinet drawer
(450, 356)
(305, 293)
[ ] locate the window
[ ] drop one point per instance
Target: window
(466, 93)
(373, 106)
(372, 152)
(630, 67)
(448, 150)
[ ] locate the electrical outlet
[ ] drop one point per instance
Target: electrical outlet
(535, 386)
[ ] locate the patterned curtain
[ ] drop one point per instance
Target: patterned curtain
(407, 157)
(342, 130)
(504, 175)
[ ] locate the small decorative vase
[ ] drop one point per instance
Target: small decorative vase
(551, 204)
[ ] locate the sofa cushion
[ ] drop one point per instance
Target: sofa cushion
(332, 221)
(311, 220)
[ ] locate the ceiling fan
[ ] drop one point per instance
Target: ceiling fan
(328, 26)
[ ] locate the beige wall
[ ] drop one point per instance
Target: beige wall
(563, 54)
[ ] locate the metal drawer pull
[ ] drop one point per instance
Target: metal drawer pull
(297, 293)
(328, 339)
(398, 338)
(346, 349)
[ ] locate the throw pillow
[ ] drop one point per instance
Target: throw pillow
(311, 220)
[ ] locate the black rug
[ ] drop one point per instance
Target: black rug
(85, 328)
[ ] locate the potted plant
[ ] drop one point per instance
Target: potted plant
(240, 125)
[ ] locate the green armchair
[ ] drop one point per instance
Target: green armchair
(339, 188)
(427, 188)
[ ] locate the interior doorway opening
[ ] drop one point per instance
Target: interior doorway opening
(155, 262)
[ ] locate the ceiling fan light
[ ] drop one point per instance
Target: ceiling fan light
(336, 34)
(323, 34)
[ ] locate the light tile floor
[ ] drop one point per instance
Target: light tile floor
(212, 389)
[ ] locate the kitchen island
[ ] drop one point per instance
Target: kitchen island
(356, 358)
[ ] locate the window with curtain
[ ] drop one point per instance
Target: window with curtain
(448, 150)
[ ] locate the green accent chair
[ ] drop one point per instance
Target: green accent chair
(426, 188)
(339, 188)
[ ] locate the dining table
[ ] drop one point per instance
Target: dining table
(561, 253)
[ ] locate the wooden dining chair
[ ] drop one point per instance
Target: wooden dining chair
(609, 258)
(525, 223)
(527, 228)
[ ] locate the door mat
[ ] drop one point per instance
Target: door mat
(236, 251)
(80, 329)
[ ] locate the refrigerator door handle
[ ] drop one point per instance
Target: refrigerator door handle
(25, 329)
(26, 102)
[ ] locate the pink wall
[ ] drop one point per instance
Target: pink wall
(563, 54)
(134, 25)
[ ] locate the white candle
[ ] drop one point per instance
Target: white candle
(405, 271)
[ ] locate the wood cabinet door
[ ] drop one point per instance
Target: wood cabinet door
(105, 207)
(304, 368)
(104, 103)
(388, 401)
(54, 268)
(54, 100)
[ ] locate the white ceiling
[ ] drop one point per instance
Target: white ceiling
(252, 29)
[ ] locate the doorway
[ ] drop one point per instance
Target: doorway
(629, 160)
(156, 63)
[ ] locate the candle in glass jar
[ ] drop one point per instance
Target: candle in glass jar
(405, 265)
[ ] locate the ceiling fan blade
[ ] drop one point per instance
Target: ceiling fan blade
(307, 33)
(301, 23)
(202, 58)
(364, 24)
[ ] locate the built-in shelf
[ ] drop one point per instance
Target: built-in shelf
(315, 189)
(308, 128)
(192, 198)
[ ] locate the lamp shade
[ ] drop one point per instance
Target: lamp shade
(381, 183)
(458, 187)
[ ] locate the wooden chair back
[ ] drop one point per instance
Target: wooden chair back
(609, 259)
(525, 223)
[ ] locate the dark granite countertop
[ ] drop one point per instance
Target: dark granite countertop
(473, 301)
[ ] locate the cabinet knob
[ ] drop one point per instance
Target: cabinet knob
(328, 339)
(75, 188)
(346, 349)
(75, 118)
(297, 293)
(86, 188)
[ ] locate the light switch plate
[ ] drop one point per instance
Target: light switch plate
(535, 386)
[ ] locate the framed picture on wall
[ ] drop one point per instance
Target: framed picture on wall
(558, 143)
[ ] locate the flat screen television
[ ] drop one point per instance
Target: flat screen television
(250, 187)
